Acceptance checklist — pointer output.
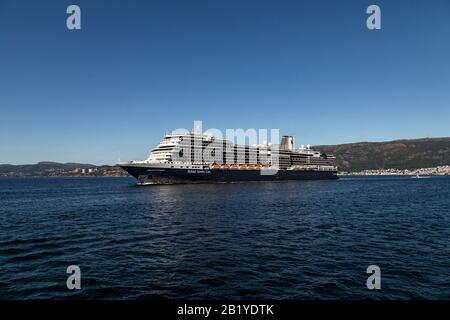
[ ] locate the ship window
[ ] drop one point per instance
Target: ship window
(149, 177)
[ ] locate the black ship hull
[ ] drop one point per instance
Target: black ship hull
(149, 175)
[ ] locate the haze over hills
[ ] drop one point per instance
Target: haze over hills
(397, 154)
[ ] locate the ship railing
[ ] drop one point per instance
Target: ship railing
(313, 167)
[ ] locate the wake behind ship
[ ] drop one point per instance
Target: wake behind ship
(201, 158)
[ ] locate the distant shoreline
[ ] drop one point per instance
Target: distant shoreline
(432, 171)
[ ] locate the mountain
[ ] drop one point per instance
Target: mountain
(41, 168)
(398, 154)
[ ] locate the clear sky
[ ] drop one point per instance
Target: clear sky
(137, 69)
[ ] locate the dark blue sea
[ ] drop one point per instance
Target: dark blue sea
(281, 240)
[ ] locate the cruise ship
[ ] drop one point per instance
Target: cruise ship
(202, 158)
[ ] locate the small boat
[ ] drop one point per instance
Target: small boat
(420, 177)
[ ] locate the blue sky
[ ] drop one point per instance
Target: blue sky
(140, 68)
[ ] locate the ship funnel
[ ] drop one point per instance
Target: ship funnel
(287, 143)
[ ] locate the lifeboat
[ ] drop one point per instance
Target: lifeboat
(234, 166)
(224, 166)
(215, 165)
